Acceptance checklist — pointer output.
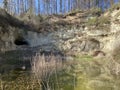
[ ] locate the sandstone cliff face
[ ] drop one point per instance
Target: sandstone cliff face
(8, 37)
(10, 30)
(77, 40)
(74, 39)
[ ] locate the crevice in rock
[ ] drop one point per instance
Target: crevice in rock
(20, 41)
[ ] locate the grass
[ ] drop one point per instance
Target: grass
(45, 67)
(74, 12)
(60, 76)
(22, 82)
(83, 57)
(96, 11)
(98, 21)
(50, 73)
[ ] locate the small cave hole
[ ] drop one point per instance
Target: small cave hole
(20, 41)
(118, 8)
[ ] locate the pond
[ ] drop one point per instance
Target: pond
(48, 73)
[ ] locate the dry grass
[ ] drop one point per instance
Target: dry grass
(49, 73)
(22, 82)
(43, 67)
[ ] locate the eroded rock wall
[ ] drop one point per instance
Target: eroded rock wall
(68, 40)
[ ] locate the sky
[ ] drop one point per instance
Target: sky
(43, 10)
(1, 2)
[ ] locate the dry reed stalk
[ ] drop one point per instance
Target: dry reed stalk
(43, 67)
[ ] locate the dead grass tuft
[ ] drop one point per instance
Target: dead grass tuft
(43, 67)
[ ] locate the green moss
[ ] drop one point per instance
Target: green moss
(98, 21)
(69, 80)
(104, 20)
(92, 21)
(83, 57)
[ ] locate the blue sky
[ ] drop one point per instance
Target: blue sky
(42, 9)
(1, 2)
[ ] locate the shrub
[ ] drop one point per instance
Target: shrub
(104, 20)
(92, 21)
(98, 21)
(74, 12)
(96, 11)
(40, 17)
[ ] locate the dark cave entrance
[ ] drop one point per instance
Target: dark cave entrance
(21, 41)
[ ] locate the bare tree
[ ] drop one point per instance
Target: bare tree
(39, 6)
(5, 4)
(53, 6)
(111, 2)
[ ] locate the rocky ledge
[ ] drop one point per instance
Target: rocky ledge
(70, 40)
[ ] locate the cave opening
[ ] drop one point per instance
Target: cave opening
(21, 41)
